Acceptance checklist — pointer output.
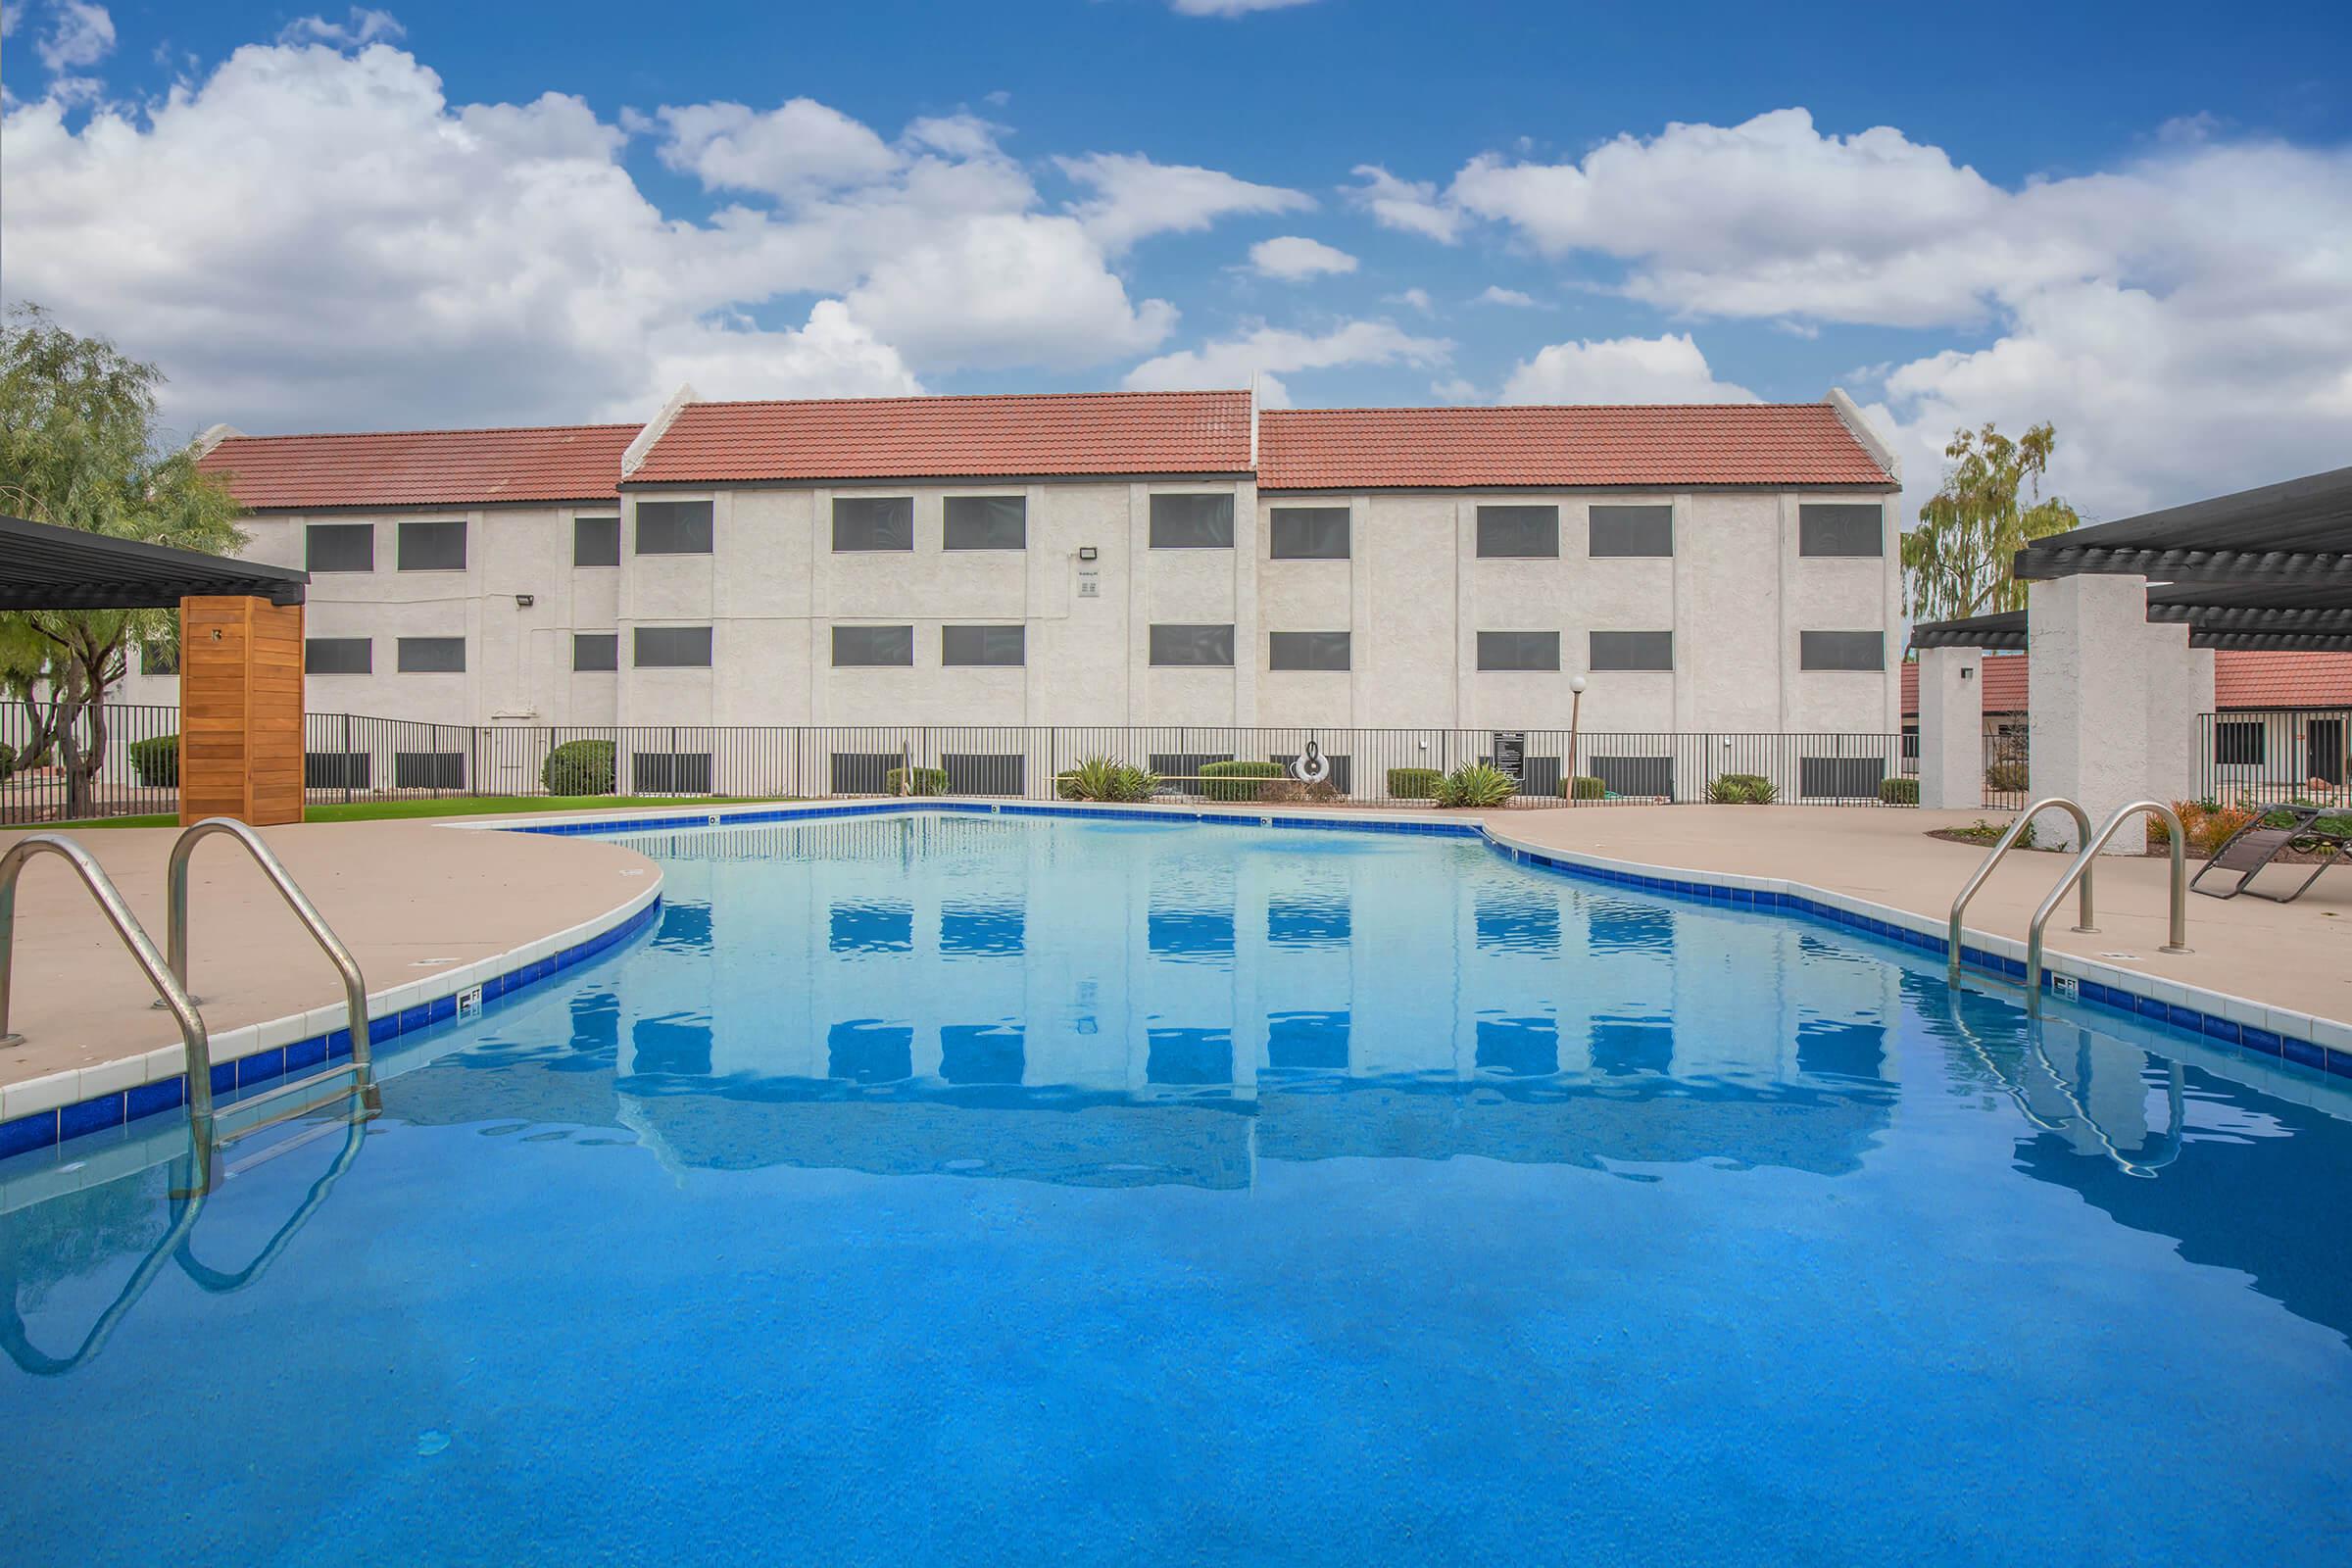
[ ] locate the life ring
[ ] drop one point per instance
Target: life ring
(1310, 766)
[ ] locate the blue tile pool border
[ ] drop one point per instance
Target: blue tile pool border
(46, 1129)
(1924, 937)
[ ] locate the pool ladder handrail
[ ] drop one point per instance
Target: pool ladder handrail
(2008, 841)
(2079, 872)
(176, 922)
(168, 987)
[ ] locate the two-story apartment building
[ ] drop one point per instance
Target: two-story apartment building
(1114, 560)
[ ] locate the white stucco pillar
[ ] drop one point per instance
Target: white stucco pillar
(2179, 689)
(1951, 728)
(2088, 636)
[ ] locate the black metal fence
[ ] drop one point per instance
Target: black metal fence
(2007, 779)
(351, 758)
(108, 760)
(2276, 755)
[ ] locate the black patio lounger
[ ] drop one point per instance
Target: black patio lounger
(2251, 848)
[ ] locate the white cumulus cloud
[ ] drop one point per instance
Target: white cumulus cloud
(1408, 204)
(1272, 351)
(1497, 294)
(80, 34)
(1294, 257)
(1621, 370)
(1134, 197)
(363, 25)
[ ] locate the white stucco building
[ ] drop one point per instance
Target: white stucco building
(1114, 560)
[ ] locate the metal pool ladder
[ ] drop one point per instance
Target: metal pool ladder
(2008, 841)
(2079, 872)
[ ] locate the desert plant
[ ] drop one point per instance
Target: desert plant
(1103, 778)
(1742, 789)
(927, 781)
(2010, 777)
(1237, 781)
(1584, 787)
(1413, 783)
(1898, 791)
(156, 760)
(1476, 785)
(8, 759)
(579, 767)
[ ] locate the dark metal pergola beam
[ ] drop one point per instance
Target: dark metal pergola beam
(42, 568)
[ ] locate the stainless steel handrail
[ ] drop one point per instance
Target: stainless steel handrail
(2008, 840)
(175, 923)
(2081, 868)
(164, 979)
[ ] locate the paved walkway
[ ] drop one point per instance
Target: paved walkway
(2295, 956)
(409, 898)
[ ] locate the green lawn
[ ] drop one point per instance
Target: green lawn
(447, 805)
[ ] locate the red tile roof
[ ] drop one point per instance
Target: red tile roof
(955, 437)
(1644, 445)
(2241, 678)
(422, 467)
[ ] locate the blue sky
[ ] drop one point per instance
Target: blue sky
(2133, 220)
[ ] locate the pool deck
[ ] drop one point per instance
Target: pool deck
(412, 900)
(2297, 955)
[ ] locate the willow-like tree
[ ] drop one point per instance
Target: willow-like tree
(1957, 562)
(80, 447)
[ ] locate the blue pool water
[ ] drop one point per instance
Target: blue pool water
(959, 1188)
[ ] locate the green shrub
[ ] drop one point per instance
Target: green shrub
(1476, 785)
(1742, 789)
(1584, 787)
(579, 767)
(1413, 783)
(1236, 781)
(1899, 790)
(1101, 778)
(157, 761)
(927, 781)
(2008, 777)
(8, 759)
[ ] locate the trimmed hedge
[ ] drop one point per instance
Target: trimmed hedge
(1899, 790)
(1413, 783)
(1584, 787)
(927, 781)
(8, 759)
(156, 760)
(1243, 775)
(579, 767)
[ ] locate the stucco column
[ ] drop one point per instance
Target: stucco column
(2088, 636)
(2179, 689)
(1951, 728)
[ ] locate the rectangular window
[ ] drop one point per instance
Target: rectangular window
(334, 771)
(341, 547)
(1632, 531)
(673, 648)
(157, 658)
(1632, 650)
(983, 645)
(1201, 646)
(1842, 650)
(596, 541)
(983, 772)
(2239, 743)
(873, 523)
(1518, 532)
(1339, 766)
(1840, 528)
(985, 523)
(595, 650)
(431, 656)
(429, 771)
(670, 772)
(863, 647)
(1518, 650)
(1306, 649)
(1633, 775)
(338, 656)
(1192, 523)
(1839, 778)
(1309, 533)
(863, 772)
(673, 527)
(432, 546)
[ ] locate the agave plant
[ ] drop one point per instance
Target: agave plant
(1102, 779)
(1476, 784)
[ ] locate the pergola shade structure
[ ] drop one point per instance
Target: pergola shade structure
(241, 647)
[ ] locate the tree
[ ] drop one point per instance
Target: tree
(1957, 562)
(80, 448)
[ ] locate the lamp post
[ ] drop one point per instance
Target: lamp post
(1576, 713)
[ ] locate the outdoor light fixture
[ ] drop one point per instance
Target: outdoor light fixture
(526, 601)
(1086, 552)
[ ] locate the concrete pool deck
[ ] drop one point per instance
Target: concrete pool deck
(412, 900)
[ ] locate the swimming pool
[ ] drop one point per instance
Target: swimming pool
(959, 1187)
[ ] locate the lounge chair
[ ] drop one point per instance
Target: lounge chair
(2253, 847)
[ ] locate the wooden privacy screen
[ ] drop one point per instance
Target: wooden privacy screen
(240, 710)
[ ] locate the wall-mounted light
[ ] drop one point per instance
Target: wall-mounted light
(1086, 552)
(1966, 674)
(526, 601)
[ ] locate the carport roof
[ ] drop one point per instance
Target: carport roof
(42, 568)
(2295, 531)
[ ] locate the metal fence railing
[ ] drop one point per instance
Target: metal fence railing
(104, 760)
(2007, 777)
(2276, 755)
(351, 758)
